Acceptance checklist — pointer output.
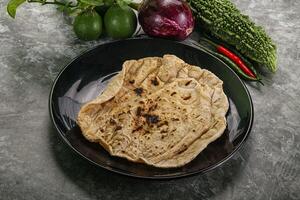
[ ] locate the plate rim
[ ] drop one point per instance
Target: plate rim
(188, 42)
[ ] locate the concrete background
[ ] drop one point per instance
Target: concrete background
(36, 164)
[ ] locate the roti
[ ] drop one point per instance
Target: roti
(158, 111)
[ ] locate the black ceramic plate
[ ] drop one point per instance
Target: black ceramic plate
(87, 75)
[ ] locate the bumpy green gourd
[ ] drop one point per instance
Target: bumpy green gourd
(223, 20)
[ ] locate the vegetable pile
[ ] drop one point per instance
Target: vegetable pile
(230, 35)
(223, 20)
(118, 18)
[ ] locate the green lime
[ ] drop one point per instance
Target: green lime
(120, 22)
(88, 25)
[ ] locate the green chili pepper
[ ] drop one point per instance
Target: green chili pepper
(230, 63)
(232, 49)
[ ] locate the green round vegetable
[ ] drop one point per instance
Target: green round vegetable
(120, 22)
(88, 25)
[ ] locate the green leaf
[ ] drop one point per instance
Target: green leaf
(12, 7)
(64, 8)
(73, 11)
(93, 2)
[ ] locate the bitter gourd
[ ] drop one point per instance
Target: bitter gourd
(225, 21)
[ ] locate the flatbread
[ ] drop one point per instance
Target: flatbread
(158, 111)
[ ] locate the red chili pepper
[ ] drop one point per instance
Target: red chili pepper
(235, 59)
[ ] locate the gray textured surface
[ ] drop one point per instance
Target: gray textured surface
(36, 164)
